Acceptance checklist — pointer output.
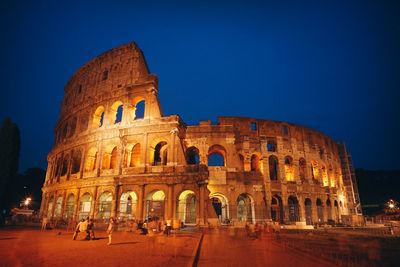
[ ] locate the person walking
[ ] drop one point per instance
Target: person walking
(110, 229)
(91, 229)
(81, 227)
(44, 223)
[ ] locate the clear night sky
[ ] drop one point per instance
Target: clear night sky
(329, 65)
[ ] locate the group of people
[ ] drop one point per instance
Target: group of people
(87, 226)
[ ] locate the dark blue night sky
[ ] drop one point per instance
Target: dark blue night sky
(329, 65)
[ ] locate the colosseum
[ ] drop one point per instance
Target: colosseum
(116, 155)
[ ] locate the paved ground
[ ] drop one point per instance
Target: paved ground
(33, 247)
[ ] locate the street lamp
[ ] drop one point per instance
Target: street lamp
(27, 201)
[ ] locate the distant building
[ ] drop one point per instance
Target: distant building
(109, 159)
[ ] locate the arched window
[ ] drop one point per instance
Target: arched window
(160, 154)
(271, 146)
(314, 170)
(98, 117)
(186, 211)
(216, 156)
(192, 156)
(332, 178)
(91, 159)
(329, 209)
(139, 105)
(255, 163)
(128, 204)
(308, 208)
(57, 209)
(110, 157)
(319, 211)
(65, 166)
(72, 127)
(116, 111)
(289, 169)
(325, 181)
(113, 161)
(76, 161)
(85, 205)
(273, 167)
(135, 156)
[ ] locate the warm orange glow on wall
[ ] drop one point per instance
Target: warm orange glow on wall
(325, 180)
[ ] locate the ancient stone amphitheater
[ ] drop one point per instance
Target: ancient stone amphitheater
(116, 155)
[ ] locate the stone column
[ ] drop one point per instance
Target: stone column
(302, 208)
(114, 203)
(140, 203)
(77, 206)
(64, 203)
(314, 212)
(170, 199)
(94, 210)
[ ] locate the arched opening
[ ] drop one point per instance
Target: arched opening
(110, 157)
(85, 205)
(160, 154)
(293, 206)
(255, 163)
(314, 170)
(186, 210)
(308, 208)
(72, 127)
(220, 206)
(58, 207)
(135, 156)
(128, 203)
(319, 211)
(139, 105)
(116, 111)
(192, 156)
(216, 156)
(91, 159)
(64, 168)
(155, 204)
(271, 146)
(105, 200)
(276, 209)
(50, 208)
(289, 169)
(245, 209)
(273, 168)
(302, 169)
(98, 117)
(329, 209)
(69, 207)
(325, 181)
(76, 161)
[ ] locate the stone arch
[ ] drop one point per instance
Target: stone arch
(91, 159)
(159, 152)
(193, 156)
(85, 205)
(332, 178)
(308, 210)
(132, 155)
(245, 208)
(324, 174)
(289, 169)
(155, 204)
(58, 207)
(294, 209)
(50, 208)
(186, 207)
(110, 157)
(128, 205)
(329, 209)
(273, 167)
(65, 164)
(216, 156)
(69, 207)
(104, 205)
(314, 170)
(76, 161)
(220, 205)
(98, 117)
(139, 105)
(256, 163)
(336, 210)
(276, 209)
(116, 111)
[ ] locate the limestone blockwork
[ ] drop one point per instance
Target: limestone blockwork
(115, 154)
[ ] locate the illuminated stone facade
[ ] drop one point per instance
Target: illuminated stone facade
(110, 160)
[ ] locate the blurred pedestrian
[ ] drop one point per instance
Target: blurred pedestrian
(44, 223)
(110, 229)
(91, 229)
(80, 228)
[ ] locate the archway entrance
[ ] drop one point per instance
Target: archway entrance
(308, 211)
(155, 204)
(57, 209)
(85, 206)
(276, 209)
(127, 206)
(69, 207)
(50, 208)
(220, 205)
(293, 205)
(329, 209)
(319, 211)
(105, 205)
(245, 209)
(186, 211)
